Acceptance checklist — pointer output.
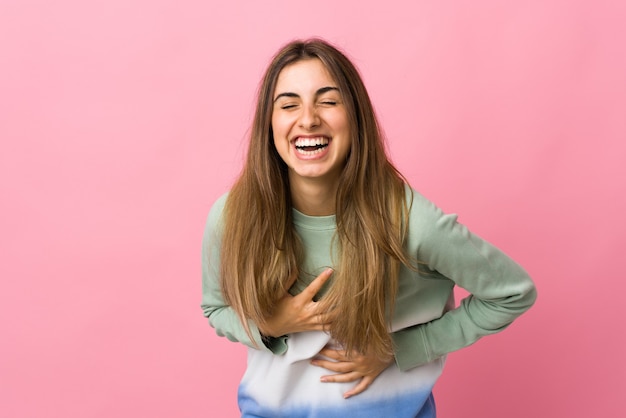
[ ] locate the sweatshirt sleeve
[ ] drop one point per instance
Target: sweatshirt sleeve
(221, 316)
(500, 290)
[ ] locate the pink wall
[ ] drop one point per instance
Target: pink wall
(122, 121)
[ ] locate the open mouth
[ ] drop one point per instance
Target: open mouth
(311, 146)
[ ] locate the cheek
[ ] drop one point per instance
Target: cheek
(280, 145)
(278, 131)
(280, 124)
(340, 121)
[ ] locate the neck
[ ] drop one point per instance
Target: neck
(313, 197)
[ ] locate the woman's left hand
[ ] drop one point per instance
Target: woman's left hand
(350, 368)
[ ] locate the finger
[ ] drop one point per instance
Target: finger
(360, 387)
(339, 355)
(341, 378)
(311, 290)
(333, 366)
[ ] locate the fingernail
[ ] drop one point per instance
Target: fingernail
(313, 362)
(329, 270)
(323, 379)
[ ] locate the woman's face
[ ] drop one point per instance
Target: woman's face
(310, 123)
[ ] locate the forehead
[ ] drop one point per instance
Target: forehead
(304, 76)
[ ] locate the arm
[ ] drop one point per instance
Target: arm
(221, 316)
(292, 313)
(500, 290)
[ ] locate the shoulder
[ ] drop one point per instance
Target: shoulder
(218, 206)
(214, 218)
(428, 221)
(419, 205)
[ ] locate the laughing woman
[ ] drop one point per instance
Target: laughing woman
(335, 273)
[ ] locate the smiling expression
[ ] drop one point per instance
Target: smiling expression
(310, 123)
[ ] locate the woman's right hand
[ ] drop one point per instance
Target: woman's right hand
(299, 313)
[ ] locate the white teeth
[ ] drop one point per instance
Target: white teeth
(311, 142)
(303, 152)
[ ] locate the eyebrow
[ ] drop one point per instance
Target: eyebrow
(319, 92)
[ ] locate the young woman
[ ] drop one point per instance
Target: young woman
(334, 272)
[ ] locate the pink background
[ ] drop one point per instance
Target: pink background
(122, 121)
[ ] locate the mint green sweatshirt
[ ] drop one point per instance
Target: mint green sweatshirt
(426, 325)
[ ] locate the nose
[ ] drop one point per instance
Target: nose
(309, 118)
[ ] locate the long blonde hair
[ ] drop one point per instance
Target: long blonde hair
(260, 249)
